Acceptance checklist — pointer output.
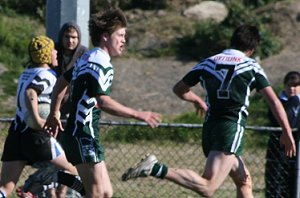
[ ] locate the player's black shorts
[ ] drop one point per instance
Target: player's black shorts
(30, 145)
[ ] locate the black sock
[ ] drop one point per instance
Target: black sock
(71, 181)
(159, 170)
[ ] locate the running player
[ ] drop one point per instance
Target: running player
(90, 86)
(228, 79)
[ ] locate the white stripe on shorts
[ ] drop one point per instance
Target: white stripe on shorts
(237, 138)
(56, 149)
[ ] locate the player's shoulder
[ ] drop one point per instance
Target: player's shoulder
(47, 72)
(99, 57)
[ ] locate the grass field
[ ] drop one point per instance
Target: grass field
(176, 155)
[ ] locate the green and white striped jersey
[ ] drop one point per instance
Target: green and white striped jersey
(228, 78)
(92, 75)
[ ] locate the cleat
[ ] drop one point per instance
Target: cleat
(142, 169)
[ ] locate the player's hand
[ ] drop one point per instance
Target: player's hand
(153, 119)
(201, 108)
(53, 124)
(289, 144)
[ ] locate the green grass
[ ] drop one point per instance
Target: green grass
(15, 34)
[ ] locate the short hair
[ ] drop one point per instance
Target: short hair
(106, 22)
(292, 79)
(245, 37)
(70, 29)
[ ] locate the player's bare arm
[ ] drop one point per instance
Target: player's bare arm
(279, 113)
(32, 106)
(184, 92)
(111, 106)
(53, 123)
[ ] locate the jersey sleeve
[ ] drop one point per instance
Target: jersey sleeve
(192, 77)
(261, 79)
(43, 81)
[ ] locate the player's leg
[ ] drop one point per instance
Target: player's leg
(242, 179)
(62, 163)
(13, 161)
(10, 173)
(68, 176)
(61, 191)
(95, 179)
(218, 166)
(51, 193)
(85, 151)
(51, 151)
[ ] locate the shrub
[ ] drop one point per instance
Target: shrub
(15, 34)
(210, 38)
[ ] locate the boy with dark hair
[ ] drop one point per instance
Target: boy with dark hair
(90, 85)
(228, 79)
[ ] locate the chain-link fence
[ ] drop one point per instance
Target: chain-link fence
(121, 154)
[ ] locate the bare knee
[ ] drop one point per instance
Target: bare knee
(108, 194)
(244, 182)
(206, 191)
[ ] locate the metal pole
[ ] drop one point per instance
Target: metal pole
(58, 12)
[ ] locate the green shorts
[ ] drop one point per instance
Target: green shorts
(222, 135)
(82, 149)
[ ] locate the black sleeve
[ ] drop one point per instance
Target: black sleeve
(191, 78)
(68, 75)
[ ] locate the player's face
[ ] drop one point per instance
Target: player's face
(292, 90)
(116, 42)
(70, 40)
(54, 58)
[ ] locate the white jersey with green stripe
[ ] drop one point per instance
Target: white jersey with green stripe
(228, 78)
(91, 76)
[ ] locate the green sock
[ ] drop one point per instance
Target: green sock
(159, 171)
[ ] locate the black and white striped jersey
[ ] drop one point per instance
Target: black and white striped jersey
(40, 79)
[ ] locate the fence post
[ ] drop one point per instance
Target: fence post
(297, 189)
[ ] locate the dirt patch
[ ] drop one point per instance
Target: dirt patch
(146, 84)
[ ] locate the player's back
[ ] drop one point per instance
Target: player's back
(229, 78)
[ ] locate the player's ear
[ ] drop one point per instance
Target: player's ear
(105, 36)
